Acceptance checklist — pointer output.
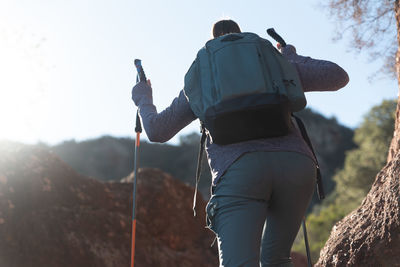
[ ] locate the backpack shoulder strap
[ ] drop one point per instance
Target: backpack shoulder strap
(320, 189)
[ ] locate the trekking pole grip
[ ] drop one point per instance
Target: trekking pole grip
(140, 71)
(276, 36)
(141, 77)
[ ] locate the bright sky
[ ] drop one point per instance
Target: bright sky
(66, 67)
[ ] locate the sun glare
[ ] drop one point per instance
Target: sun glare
(22, 80)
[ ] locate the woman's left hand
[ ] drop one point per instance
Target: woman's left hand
(142, 91)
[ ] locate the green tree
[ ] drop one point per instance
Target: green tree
(353, 182)
(362, 164)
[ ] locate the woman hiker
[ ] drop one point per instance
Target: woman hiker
(261, 188)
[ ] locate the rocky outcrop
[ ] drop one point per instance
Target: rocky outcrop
(395, 145)
(52, 216)
(170, 235)
(370, 235)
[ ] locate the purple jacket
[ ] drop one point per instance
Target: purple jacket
(315, 75)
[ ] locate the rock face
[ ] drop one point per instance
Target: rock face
(395, 145)
(52, 216)
(370, 235)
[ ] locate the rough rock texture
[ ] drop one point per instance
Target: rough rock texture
(173, 237)
(370, 235)
(51, 216)
(395, 145)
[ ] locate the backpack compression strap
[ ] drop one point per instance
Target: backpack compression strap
(199, 161)
(320, 188)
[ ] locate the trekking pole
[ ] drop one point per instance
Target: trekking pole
(138, 129)
(306, 242)
(282, 42)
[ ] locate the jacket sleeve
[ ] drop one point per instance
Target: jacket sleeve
(315, 74)
(161, 127)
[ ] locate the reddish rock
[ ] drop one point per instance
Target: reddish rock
(370, 235)
(164, 210)
(52, 216)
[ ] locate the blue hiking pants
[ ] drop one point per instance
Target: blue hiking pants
(257, 207)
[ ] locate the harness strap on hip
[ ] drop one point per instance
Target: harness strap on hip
(199, 161)
(320, 188)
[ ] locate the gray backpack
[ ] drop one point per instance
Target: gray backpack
(242, 88)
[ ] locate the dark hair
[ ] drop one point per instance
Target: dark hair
(225, 26)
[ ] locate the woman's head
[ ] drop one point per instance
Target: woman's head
(225, 26)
